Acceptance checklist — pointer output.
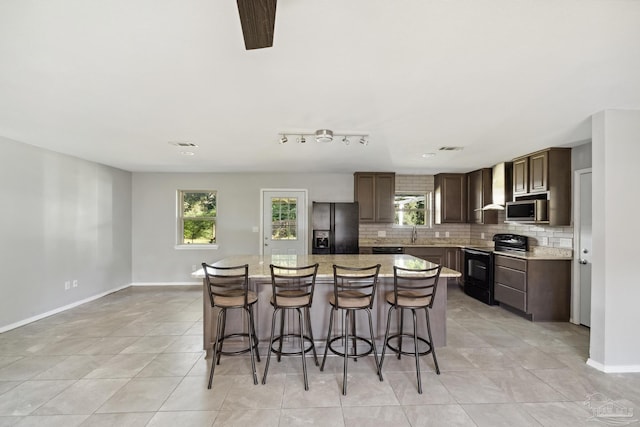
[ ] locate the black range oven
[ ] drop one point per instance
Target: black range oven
(478, 274)
(478, 263)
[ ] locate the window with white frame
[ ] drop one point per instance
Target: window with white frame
(197, 211)
(413, 208)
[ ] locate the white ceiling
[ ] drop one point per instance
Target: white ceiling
(113, 81)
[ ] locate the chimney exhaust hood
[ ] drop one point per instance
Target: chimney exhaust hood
(501, 186)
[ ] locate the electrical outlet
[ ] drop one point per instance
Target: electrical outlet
(382, 233)
(194, 267)
(67, 285)
(482, 235)
(75, 283)
(437, 234)
(446, 234)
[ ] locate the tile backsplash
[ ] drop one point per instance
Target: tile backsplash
(539, 235)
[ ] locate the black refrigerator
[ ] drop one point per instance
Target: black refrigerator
(335, 228)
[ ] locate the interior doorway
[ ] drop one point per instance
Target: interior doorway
(284, 222)
(582, 258)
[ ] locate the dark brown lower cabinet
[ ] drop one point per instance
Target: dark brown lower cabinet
(449, 257)
(541, 289)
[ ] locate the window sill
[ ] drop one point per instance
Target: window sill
(196, 247)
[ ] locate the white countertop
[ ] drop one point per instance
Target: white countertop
(259, 264)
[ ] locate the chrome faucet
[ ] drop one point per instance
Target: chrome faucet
(414, 234)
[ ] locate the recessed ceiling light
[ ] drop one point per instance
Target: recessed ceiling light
(187, 153)
(183, 144)
(428, 155)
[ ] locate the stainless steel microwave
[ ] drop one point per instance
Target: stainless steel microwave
(528, 211)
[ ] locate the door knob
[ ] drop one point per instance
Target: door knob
(583, 261)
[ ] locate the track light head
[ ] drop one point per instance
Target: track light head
(346, 140)
(284, 139)
(363, 141)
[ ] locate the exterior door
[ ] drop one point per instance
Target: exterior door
(582, 258)
(284, 222)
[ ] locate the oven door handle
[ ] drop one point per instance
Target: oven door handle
(476, 252)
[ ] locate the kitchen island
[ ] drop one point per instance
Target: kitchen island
(260, 282)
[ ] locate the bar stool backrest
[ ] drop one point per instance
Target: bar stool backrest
(421, 283)
(361, 280)
(298, 282)
(227, 282)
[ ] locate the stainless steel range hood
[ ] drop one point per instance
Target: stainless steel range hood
(501, 186)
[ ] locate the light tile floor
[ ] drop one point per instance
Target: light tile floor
(134, 358)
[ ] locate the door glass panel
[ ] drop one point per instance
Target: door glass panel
(284, 218)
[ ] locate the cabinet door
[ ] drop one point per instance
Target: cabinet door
(474, 197)
(384, 197)
(434, 255)
(520, 176)
(364, 187)
(539, 172)
(451, 198)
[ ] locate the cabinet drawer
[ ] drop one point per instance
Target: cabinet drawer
(510, 296)
(514, 278)
(515, 263)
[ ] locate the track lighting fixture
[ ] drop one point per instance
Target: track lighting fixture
(326, 136)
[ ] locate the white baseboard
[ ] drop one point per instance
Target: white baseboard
(59, 309)
(166, 284)
(615, 369)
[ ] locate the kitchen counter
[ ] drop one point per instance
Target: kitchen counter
(539, 252)
(536, 256)
(260, 282)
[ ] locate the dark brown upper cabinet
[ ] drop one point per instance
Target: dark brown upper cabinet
(520, 176)
(450, 198)
(479, 194)
(375, 194)
(546, 174)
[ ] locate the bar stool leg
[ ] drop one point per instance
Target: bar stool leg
(273, 327)
(433, 347)
(353, 334)
(252, 331)
(373, 345)
(400, 335)
(304, 359)
(313, 342)
(282, 314)
(415, 345)
(326, 348)
(252, 349)
(345, 328)
(386, 339)
(214, 356)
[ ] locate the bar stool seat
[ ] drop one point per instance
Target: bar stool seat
(228, 288)
(413, 289)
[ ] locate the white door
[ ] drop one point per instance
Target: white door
(284, 222)
(583, 244)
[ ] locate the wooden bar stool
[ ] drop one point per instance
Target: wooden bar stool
(228, 288)
(292, 289)
(413, 289)
(354, 289)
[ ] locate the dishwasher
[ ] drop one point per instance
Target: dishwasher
(390, 250)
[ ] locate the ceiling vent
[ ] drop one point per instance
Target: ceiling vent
(183, 144)
(451, 148)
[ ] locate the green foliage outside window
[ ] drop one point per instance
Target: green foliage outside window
(284, 218)
(198, 217)
(412, 209)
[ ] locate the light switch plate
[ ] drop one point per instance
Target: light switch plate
(437, 234)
